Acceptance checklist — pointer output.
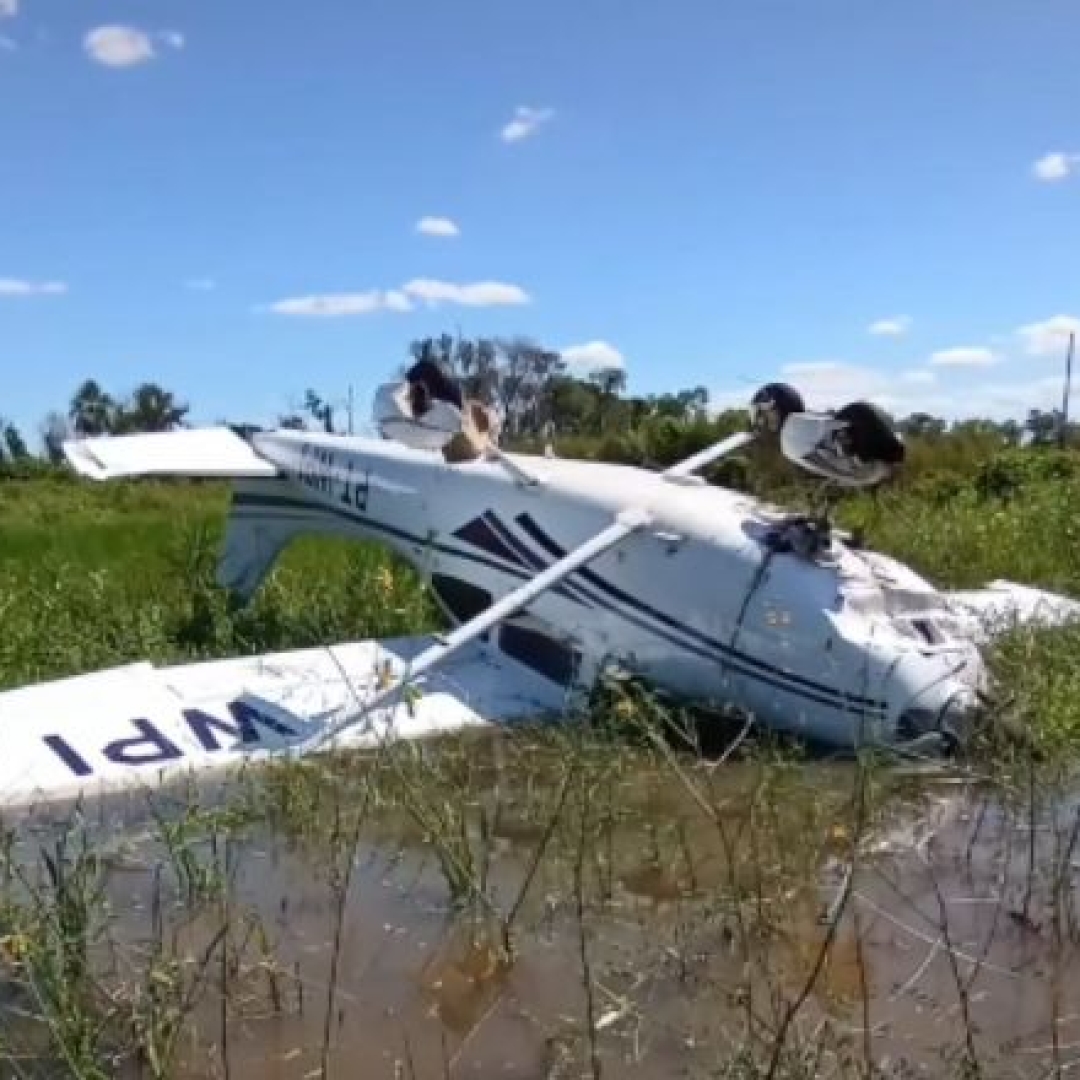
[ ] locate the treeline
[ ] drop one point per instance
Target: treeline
(91, 411)
(545, 402)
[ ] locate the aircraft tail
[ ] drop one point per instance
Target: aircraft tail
(210, 452)
(265, 516)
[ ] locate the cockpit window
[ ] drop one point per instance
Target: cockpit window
(929, 631)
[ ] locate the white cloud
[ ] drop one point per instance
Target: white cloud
(201, 284)
(829, 384)
(8, 10)
(964, 356)
(918, 377)
(126, 46)
(815, 367)
(437, 226)
(593, 356)
(335, 305)
(526, 120)
(1002, 401)
(118, 46)
(1055, 166)
(17, 287)
(419, 290)
(894, 326)
(1049, 337)
(395, 300)
(476, 294)
(956, 393)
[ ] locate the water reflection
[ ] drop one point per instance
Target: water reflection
(502, 900)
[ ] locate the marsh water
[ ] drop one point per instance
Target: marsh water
(528, 912)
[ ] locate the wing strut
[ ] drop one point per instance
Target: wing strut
(628, 522)
(709, 454)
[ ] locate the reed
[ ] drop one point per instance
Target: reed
(706, 900)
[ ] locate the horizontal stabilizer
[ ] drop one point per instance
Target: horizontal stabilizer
(1006, 605)
(195, 452)
(138, 726)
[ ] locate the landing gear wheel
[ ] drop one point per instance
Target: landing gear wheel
(772, 405)
(428, 382)
(868, 435)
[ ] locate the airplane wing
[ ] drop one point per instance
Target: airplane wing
(192, 452)
(1005, 605)
(137, 725)
(461, 637)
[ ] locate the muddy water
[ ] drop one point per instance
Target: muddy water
(694, 911)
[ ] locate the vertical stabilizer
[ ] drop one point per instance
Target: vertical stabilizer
(265, 516)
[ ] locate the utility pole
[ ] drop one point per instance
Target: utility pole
(1068, 389)
(350, 407)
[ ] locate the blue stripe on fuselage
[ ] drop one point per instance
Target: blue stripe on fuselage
(616, 594)
(641, 615)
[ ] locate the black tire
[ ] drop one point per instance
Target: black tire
(436, 383)
(869, 436)
(773, 404)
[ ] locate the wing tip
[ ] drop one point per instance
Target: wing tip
(80, 457)
(206, 453)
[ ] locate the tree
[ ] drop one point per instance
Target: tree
(476, 364)
(1011, 430)
(980, 428)
(1043, 426)
(149, 408)
(524, 386)
(516, 375)
(321, 411)
(92, 411)
(14, 444)
(610, 382)
(922, 424)
(54, 431)
(575, 407)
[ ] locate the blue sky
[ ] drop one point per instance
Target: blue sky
(225, 197)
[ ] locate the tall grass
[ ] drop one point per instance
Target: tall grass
(622, 903)
(93, 576)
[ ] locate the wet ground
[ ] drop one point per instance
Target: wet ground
(664, 920)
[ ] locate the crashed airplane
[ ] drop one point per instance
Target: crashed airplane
(550, 571)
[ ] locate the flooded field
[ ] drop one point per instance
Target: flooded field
(548, 905)
(544, 905)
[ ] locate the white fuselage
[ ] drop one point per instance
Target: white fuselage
(842, 646)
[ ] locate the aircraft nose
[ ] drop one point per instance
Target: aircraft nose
(951, 721)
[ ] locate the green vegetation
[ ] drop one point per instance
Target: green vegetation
(540, 399)
(679, 906)
(584, 902)
(92, 576)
